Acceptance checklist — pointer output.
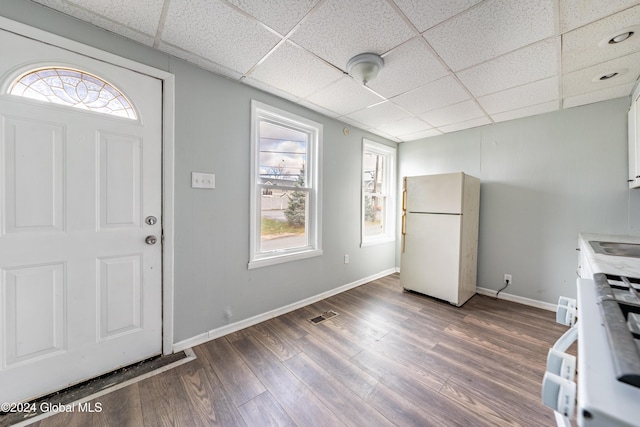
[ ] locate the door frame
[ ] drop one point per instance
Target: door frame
(168, 156)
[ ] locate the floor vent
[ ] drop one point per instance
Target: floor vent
(324, 316)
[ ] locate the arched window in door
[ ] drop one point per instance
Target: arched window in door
(73, 88)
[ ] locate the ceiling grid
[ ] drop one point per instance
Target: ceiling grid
(449, 64)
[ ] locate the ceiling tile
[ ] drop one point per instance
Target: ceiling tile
(348, 120)
(534, 62)
(491, 29)
(533, 110)
(407, 67)
(456, 113)
(384, 135)
(318, 108)
(218, 33)
(281, 15)
(426, 14)
(344, 96)
(270, 89)
(600, 95)
(582, 81)
(404, 126)
(575, 13)
(142, 15)
(305, 72)
(141, 26)
(581, 47)
(440, 93)
(379, 114)
(339, 30)
(522, 96)
(420, 135)
(199, 61)
(480, 121)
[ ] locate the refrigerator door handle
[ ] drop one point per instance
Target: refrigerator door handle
(404, 194)
(404, 229)
(404, 200)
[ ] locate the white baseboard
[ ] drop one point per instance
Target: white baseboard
(234, 327)
(518, 299)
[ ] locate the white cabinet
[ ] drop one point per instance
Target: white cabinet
(634, 145)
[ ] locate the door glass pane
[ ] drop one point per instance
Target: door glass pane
(73, 88)
(283, 219)
(283, 156)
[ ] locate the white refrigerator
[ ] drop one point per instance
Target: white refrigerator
(440, 236)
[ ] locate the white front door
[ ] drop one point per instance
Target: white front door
(80, 288)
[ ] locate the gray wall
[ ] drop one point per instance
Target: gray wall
(544, 179)
(212, 131)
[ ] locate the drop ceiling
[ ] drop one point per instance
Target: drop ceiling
(449, 64)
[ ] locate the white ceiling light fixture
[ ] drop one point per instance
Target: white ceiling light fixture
(609, 75)
(619, 36)
(365, 67)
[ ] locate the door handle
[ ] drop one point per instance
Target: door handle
(151, 240)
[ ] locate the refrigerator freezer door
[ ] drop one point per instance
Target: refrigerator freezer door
(435, 193)
(430, 263)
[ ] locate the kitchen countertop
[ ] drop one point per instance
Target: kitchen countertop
(600, 263)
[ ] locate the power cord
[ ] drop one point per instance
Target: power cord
(503, 288)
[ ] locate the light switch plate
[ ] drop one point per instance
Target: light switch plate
(203, 180)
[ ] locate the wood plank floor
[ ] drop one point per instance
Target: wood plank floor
(389, 358)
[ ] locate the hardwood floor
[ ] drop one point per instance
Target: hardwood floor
(389, 358)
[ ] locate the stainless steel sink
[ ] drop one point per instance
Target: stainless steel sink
(631, 250)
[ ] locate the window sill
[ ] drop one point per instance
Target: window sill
(279, 259)
(379, 241)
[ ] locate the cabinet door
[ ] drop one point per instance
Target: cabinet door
(634, 163)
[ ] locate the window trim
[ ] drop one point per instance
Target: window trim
(390, 182)
(259, 112)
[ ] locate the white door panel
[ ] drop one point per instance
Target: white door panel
(80, 289)
(33, 175)
(33, 300)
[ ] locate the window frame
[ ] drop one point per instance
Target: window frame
(264, 112)
(390, 179)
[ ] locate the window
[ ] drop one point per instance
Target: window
(378, 193)
(73, 88)
(285, 186)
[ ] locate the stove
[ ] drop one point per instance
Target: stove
(619, 304)
(608, 365)
(608, 385)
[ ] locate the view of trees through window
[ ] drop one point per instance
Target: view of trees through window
(378, 161)
(285, 189)
(374, 198)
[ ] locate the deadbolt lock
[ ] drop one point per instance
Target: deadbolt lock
(151, 220)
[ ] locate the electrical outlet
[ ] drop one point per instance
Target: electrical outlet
(507, 279)
(346, 259)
